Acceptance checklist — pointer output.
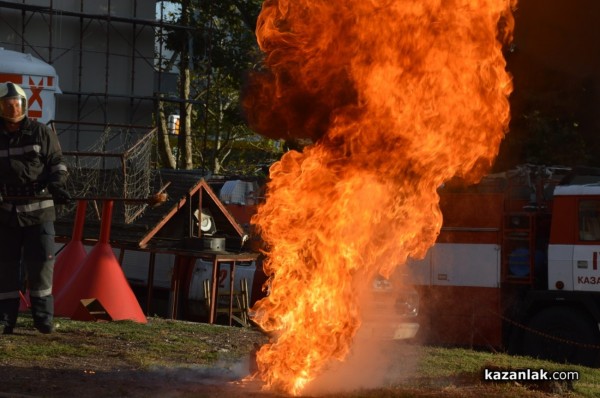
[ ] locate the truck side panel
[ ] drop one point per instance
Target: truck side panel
(459, 294)
(560, 261)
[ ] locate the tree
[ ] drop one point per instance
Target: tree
(163, 108)
(164, 144)
(213, 60)
(185, 109)
(551, 126)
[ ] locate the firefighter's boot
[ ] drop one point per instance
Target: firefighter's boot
(9, 310)
(42, 310)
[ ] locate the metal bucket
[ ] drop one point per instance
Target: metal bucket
(213, 243)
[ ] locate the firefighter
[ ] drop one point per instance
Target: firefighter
(32, 180)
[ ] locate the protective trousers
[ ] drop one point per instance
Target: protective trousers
(27, 260)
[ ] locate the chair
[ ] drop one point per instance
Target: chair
(240, 304)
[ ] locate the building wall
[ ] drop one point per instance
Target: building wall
(105, 67)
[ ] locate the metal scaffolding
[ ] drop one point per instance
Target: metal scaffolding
(105, 53)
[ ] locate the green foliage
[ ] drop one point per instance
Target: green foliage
(223, 50)
(223, 35)
(554, 140)
(253, 157)
(553, 122)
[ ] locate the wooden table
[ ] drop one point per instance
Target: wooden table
(185, 263)
(217, 258)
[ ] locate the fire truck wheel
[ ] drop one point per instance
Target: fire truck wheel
(562, 334)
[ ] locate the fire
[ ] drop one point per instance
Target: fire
(398, 97)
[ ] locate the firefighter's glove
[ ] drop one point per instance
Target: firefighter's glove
(59, 195)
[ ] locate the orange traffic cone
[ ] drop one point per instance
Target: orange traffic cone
(24, 303)
(69, 258)
(101, 280)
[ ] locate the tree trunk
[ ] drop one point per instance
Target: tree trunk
(185, 133)
(164, 146)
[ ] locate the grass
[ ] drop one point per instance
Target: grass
(166, 344)
(457, 363)
(159, 343)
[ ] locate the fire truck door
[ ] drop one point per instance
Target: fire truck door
(466, 265)
(586, 268)
(560, 266)
(452, 264)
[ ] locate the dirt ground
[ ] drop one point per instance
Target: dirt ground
(112, 375)
(68, 382)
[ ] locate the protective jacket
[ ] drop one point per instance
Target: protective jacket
(30, 160)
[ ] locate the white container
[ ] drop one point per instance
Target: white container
(36, 77)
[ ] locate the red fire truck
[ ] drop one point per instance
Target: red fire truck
(515, 266)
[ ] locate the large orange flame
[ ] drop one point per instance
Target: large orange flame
(398, 96)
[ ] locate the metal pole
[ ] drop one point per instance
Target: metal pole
(107, 208)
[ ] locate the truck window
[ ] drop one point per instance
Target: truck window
(589, 220)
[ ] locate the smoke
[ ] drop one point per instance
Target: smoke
(372, 363)
(219, 373)
(375, 359)
(222, 379)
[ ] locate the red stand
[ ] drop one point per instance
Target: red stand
(100, 277)
(70, 257)
(67, 261)
(24, 303)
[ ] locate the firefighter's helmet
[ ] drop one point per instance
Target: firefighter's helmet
(10, 110)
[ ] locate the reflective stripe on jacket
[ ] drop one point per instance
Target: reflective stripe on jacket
(29, 157)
